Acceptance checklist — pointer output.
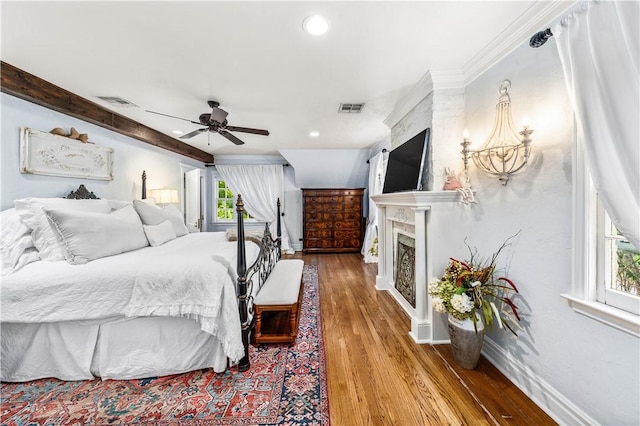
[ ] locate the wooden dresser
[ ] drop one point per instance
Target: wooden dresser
(332, 220)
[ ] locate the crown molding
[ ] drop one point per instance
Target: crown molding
(534, 19)
(539, 15)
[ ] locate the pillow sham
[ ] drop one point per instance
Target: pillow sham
(153, 215)
(160, 233)
(32, 214)
(16, 244)
(87, 236)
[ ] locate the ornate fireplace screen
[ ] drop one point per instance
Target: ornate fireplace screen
(405, 267)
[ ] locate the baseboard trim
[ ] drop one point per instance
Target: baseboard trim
(556, 405)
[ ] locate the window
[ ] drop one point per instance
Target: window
(618, 277)
(602, 287)
(225, 203)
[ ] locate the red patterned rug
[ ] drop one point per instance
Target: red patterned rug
(286, 384)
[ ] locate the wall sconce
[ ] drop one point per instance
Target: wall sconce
(164, 196)
(504, 152)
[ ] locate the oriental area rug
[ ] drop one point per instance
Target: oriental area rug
(286, 384)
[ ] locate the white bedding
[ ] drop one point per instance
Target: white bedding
(190, 277)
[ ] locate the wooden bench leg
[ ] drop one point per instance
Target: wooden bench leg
(293, 321)
(258, 323)
(295, 314)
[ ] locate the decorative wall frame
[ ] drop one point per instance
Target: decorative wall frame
(52, 155)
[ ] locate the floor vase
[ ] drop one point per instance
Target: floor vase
(466, 341)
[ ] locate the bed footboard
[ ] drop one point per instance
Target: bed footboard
(256, 274)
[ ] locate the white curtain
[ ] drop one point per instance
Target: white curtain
(599, 48)
(260, 187)
(376, 182)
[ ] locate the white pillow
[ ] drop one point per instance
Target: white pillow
(153, 215)
(118, 204)
(16, 244)
(160, 233)
(32, 214)
(87, 236)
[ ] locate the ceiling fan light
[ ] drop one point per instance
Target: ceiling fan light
(177, 132)
(315, 25)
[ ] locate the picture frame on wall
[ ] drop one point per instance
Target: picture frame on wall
(44, 153)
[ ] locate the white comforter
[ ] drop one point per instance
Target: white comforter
(192, 276)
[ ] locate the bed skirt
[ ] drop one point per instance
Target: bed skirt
(116, 348)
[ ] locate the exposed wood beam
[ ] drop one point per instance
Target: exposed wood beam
(23, 85)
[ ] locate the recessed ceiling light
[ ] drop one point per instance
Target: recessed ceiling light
(315, 25)
(177, 132)
(314, 134)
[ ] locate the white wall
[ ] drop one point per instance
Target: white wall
(327, 168)
(582, 370)
(131, 157)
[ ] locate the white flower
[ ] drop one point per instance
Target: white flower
(476, 284)
(462, 303)
(433, 285)
(438, 305)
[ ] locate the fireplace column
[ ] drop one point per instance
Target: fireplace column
(421, 322)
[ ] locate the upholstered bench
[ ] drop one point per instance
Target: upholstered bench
(282, 291)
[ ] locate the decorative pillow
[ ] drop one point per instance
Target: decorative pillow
(16, 244)
(160, 233)
(87, 236)
(153, 215)
(32, 214)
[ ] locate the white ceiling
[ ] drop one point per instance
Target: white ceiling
(254, 58)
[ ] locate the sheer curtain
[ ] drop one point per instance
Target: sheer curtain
(599, 48)
(260, 187)
(376, 182)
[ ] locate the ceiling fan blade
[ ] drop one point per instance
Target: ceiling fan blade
(248, 130)
(231, 137)
(192, 134)
(172, 116)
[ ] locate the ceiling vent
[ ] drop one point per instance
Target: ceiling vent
(118, 101)
(351, 108)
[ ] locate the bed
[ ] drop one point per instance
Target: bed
(164, 307)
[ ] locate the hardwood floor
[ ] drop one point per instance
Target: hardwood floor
(377, 375)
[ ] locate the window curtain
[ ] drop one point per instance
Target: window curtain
(260, 187)
(376, 182)
(598, 44)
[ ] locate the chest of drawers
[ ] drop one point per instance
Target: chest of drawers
(332, 220)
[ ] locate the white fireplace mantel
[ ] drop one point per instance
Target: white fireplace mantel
(433, 218)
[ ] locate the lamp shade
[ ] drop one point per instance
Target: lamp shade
(164, 196)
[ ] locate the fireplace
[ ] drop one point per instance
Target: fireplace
(417, 231)
(405, 267)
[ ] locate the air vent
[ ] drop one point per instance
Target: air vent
(118, 101)
(350, 108)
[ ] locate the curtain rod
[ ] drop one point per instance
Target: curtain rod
(540, 38)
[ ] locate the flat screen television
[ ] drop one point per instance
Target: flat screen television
(406, 165)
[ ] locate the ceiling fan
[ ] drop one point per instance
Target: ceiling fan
(216, 121)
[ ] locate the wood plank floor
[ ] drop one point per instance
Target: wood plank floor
(377, 375)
